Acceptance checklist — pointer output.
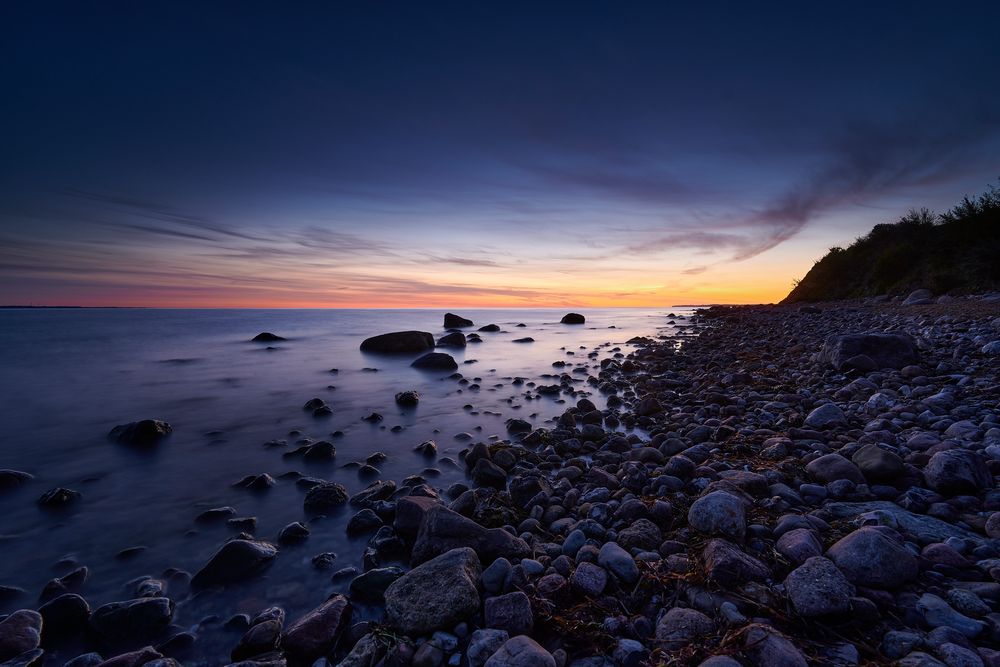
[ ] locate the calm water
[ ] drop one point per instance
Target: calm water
(68, 376)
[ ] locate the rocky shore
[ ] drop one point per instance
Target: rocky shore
(777, 486)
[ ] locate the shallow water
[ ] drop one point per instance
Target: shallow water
(69, 376)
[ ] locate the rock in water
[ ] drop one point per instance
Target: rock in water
(407, 399)
(325, 498)
(442, 530)
(573, 318)
(886, 350)
(267, 337)
(12, 479)
(438, 361)
(453, 321)
(132, 622)
(19, 633)
(521, 651)
(490, 328)
(456, 339)
(315, 634)
(399, 342)
(435, 595)
(234, 561)
(874, 556)
(145, 432)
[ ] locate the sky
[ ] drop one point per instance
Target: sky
(508, 154)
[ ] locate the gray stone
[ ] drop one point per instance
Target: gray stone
(719, 513)
(877, 464)
(521, 651)
(235, 561)
(825, 416)
(437, 594)
(798, 545)
(483, 644)
(588, 579)
(511, 613)
(938, 613)
(817, 588)
(922, 528)
(833, 467)
(19, 633)
(886, 350)
(958, 472)
(871, 556)
(135, 622)
(679, 627)
(618, 562)
(727, 565)
(443, 529)
(766, 647)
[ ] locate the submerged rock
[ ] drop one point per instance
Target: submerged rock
(439, 361)
(267, 337)
(145, 432)
(399, 342)
(235, 561)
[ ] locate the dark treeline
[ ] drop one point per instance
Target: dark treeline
(954, 252)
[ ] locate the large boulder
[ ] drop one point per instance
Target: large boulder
(454, 339)
(132, 622)
(315, 634)
(453, 321)
(442, 530)
(19, 633)
(435, 595)
(399, 342)
(235, 561)
(521, 651)
(958, 472)
(874, 556)
(886, 350)
(436, 361)
(573, 318)
(145, 432)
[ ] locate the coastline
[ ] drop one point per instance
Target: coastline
(738, 518)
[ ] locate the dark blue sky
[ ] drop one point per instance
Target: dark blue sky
(373, 153)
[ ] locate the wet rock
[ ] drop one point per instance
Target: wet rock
(262, 637)
(511, 613)
(364, 521)
(873, 556)
(453, 321)
(490, 328)
(573, 318)
(483, 644)
(371, 585)
(437, 361)
(718, 513)
(145, 432)
(407, 399)
(455, 339)
(138, 658)
(12, 479)
(19, 633)
(526, 339)
(399, 342)
(293, 533)
(324, 498)
(267, 337)
(315, 634)
(58, 498)
(64, 616)
(436, 594)
(486, 473)
(957, 472)
(817, 588)
(132, 622)
(235, 561)
(521, 651)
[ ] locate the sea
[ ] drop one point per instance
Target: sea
(68, 376)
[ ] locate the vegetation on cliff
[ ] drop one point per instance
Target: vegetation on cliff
(954, 252)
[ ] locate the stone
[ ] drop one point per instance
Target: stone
(938, 613)
(483, 644)
(19, 633)
(364, 653)
(64, 616)
(407, 399)
(442, 530)
(487, 473)
(817, 588)
(262, 637)
(325, 497)
(920, 297)
(573, 318)
(235, 561)
(12, 479)
(727, 565)
(453, 321)
(399, 342)
(643, 534)
(58, 498)
(719, 513)
(437, 361)
(436, 594)
(766, 647)
(875, 557)
(316, 633)
(521, 651)
(495, 576)
(455, 339)
(679, 627)
(618, 562)
(921, 528)
(294, 532)
(133, 622)
(511, 613)
(267, 337)
(798, 545)
(833, 467)
(145, 432)
(958, 472)
(878, 464)
(886, 350)
(370, 586)
(825, 416)
(588, 579)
